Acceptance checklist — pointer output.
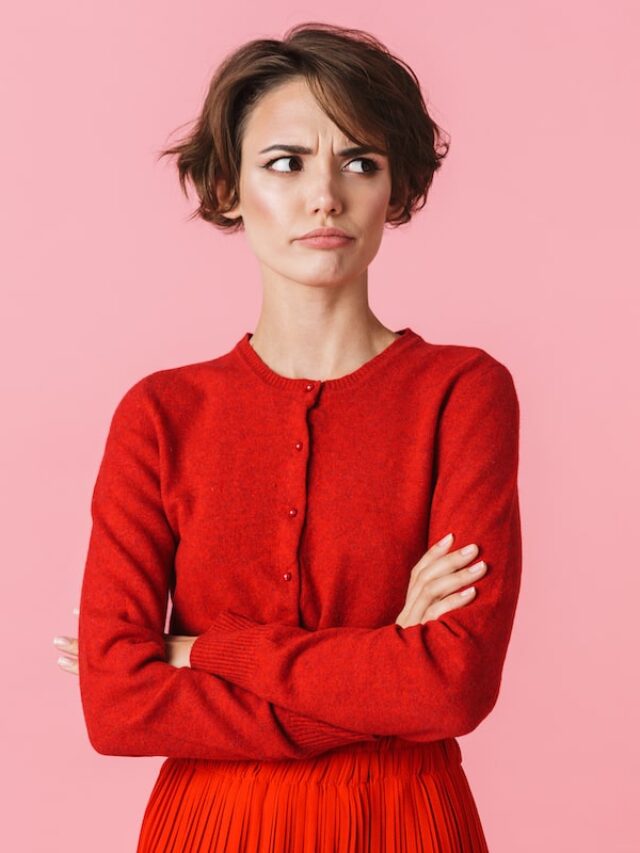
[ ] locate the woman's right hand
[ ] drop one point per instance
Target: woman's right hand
(435, 581)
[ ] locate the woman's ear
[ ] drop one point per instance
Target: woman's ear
(225, 197)
(393, 210)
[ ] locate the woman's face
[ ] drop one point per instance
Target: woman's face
(282, 195)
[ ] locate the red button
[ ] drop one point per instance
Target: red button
(293, 511)
(308, 387)
(298, 445)
(287, 576)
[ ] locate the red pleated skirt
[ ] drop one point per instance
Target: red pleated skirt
(368, 797)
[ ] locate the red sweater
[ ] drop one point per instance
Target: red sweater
(283, 517)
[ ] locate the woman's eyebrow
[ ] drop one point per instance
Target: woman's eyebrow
(346, 152)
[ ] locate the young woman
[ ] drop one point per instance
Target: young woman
(298, 496)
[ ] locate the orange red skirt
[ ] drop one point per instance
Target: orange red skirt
(368, 797)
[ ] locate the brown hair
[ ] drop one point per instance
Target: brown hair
(370, 94)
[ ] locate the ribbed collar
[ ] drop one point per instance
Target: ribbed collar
(350, 380)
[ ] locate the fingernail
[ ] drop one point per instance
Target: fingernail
(60, 641)
(63, 661)
(446, 539)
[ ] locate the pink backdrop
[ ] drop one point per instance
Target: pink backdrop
(524, 249)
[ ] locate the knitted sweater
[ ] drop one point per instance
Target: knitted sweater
(282, 517)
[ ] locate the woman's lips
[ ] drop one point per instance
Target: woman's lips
(324, 242)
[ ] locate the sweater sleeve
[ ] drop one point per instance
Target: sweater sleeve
(431, 680)
(134, 702)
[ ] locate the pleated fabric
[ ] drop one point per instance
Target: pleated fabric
(388, 795)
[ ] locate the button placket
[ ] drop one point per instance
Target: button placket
(310, 391)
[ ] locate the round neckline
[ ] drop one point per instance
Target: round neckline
(349, 380)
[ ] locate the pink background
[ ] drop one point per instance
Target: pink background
(524, 248)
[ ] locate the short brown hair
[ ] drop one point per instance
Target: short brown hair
(371, 95)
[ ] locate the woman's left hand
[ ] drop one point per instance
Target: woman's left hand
(177, 649)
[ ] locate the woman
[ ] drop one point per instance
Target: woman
(298, 497)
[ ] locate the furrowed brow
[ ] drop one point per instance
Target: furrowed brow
(345, 152)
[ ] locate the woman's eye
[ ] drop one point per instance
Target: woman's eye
(371, 164)
(277, 160)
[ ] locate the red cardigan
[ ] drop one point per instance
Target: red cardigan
(283, 517)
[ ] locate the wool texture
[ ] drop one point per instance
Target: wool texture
(280, 519)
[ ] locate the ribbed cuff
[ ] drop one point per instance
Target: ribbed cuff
(316, 736)
(227, 649)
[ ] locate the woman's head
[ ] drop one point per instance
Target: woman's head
(323, 88)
